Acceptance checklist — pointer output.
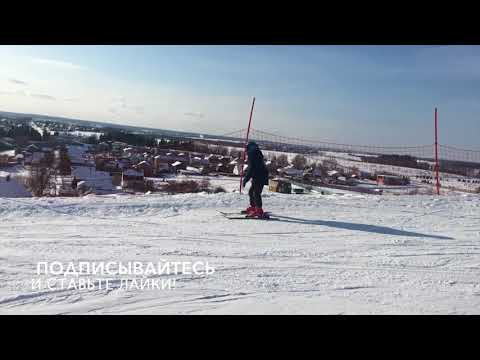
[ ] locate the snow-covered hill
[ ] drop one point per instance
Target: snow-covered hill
(331, 254)
(10, 187)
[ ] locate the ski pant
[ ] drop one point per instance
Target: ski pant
(255, 194)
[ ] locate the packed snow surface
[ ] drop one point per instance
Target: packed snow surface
(330, 254)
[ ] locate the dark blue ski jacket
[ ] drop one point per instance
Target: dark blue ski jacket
(256, 170)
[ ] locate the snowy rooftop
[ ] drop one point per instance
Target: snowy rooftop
(143, 163)
(7, 153)
(131, 172)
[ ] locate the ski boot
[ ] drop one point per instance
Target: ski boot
(249, 210)
(258, 213)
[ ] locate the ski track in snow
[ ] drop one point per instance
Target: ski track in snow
(330, 254)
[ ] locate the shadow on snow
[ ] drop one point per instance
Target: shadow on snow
(360, 227)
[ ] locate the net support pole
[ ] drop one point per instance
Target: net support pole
(242, 164)
(437, 164)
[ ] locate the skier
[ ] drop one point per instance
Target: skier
(258, 173)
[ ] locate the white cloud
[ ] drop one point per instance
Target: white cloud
(120, 104)
(14, 92)
(59, 64)
(18, 82)
(194, 114)
(43, 96)
(138, 109)
(27, 93)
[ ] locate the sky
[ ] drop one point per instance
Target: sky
(367, 95)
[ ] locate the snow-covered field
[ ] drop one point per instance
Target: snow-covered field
(331, 254)
(12, 188)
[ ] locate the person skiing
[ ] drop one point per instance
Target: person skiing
(258, 173)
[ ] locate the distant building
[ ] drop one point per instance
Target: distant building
(198, 161)
(178, 165)
(396, 160)
(133, 180)
(280, 186)
(392, 180)
(63, 186)
(7, 157)
(117, 178)
(290, 170)
(238, 168)
(145, 167)
(473, 172)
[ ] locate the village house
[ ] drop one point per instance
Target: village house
(33, 155)
(61, 162)
(82, 188)
(198, 160)
(316, 172)
(238, 167)
(34, 159)
(392, 180)
(190, 170)
(106, 162)
(160, 166)
(172, 156)
(280, 186)
(32, 148)
(473, 172)
(7, 158)
(214, 159)
(145, 167)
(118, 146)
(170, 161)
(63, 185)
(124, 163)
(133, 180)
(178, 165)
(290, 170)
(117, 178)
(129, 152)
(103, 146)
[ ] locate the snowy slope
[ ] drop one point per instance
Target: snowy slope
(333, 254)
(12, 188)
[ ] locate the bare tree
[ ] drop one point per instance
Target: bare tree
(299, 162)
(330, 164)
(222, 150)
(282, 160)
(354, 171)
(236, 153)
(204, 185)
(38, 180)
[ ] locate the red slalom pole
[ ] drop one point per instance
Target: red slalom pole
(245, 146)
(437, 166)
